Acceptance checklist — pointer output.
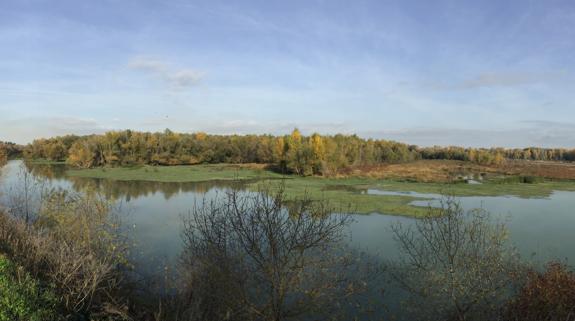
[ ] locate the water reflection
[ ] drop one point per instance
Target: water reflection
(153, 211)
(47, 171)
(128, 190)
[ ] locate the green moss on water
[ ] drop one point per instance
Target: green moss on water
(346, 196)
(524, 190)
(343, 193)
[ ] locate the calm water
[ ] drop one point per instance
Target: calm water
(540, 228)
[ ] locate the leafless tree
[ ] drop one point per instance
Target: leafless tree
(24, 197)
(456, 264)
(250, 258)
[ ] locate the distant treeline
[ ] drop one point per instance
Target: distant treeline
(294, 153)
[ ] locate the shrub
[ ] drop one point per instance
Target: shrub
(72, 247)
(520, 180)
(548, 295)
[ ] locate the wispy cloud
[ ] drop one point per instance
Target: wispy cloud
(499, 79)
(176, 78)
(148, 64)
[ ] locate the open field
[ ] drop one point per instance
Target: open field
(351, 191)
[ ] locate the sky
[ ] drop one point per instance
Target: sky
(445, 72)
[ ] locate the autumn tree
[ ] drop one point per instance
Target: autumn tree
(318, 153)
(295, 153)
(84, 154)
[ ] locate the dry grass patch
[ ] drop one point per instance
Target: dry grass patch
(444, 171)
(436, 171)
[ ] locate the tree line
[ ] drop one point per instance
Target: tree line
(294, 153)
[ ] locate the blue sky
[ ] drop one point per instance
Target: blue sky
(473, 73)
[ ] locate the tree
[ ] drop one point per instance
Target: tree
(56, 151)
(318, 150)
(81, 155)
(294, 152)
(3, 156)
(25, 196)
(248, 258)
(455, 264)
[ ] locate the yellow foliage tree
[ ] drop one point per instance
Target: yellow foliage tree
(318, 147)
(279, 149)
(296, 136)
(498, 159)
(80, 155)
(200, 136)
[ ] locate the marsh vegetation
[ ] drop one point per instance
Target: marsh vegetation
(261, 245)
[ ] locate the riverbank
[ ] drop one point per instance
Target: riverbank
(356, 190)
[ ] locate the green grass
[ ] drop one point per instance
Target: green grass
(22, 297)
(342, 192)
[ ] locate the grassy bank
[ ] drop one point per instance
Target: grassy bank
(22, 297)
(348, 192)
